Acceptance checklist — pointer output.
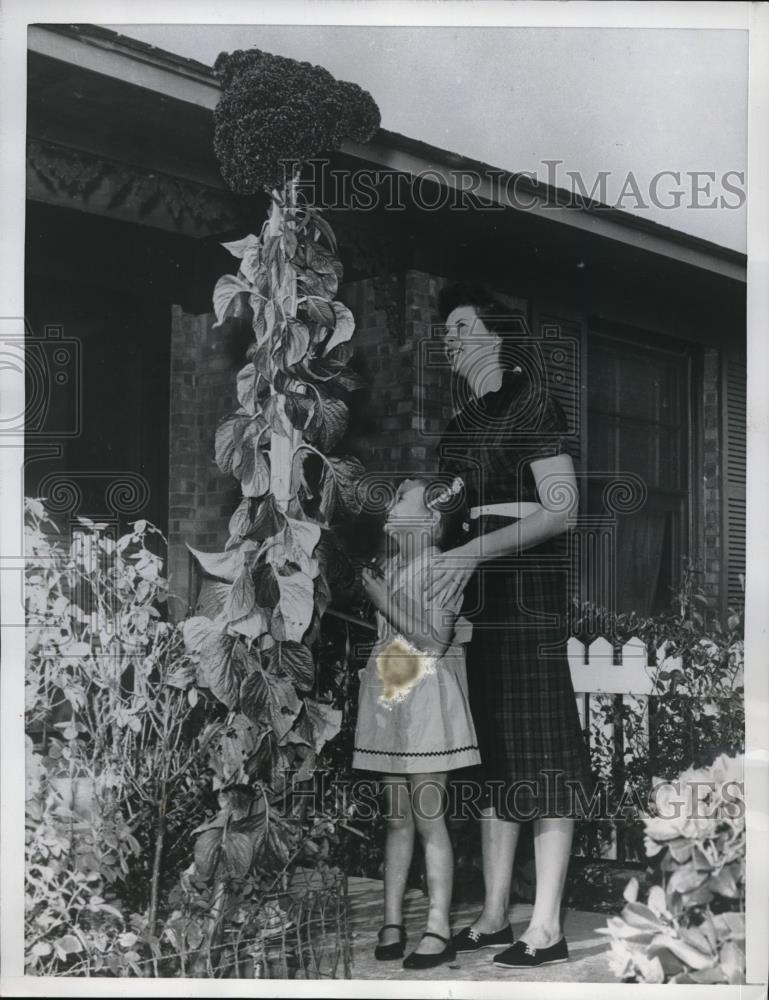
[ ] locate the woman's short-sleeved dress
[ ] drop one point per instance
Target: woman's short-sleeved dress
(425, 725)
(535, 760)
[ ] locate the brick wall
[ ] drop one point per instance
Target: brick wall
(201, 498)
(408, 401)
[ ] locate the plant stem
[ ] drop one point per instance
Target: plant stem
(282, 446)
(160, 834)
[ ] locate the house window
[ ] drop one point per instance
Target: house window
(638, 415)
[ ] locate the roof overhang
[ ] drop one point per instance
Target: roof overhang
(171, 100)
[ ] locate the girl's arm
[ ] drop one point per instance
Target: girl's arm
(430, 629)
(557, 490)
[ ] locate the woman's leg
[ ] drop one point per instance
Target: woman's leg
(499, 839)
(428, 797)
(552, 847)
(399, 848)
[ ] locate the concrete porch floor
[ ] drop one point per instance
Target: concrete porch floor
(588, 951)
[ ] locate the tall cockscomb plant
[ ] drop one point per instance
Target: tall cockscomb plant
(256, 628)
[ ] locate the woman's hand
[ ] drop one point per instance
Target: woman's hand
(375, 586)
(450, 573)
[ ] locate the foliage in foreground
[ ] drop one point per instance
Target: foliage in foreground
(692, 927)
(695, 713)
(127, 764)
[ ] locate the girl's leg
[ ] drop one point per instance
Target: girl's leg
(399, 848)
(552, 847)
(499, 839)
(428, 796)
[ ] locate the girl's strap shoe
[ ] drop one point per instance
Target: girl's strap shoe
(471, 940)
(524, 956)
(387, 952)
(427, 961)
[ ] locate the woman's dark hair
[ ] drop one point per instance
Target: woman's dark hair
(496, 316)
(518, 349)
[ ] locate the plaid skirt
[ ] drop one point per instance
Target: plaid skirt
(534, 757)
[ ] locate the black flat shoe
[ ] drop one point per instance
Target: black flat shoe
(525, 956)
(387, 952)
(469, 940)
(427, 961)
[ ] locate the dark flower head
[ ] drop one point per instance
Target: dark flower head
(273, 109)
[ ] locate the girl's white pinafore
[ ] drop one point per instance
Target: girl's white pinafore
(428, 728)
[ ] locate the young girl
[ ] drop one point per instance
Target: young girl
(414, 723)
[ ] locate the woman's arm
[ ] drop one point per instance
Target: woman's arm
(428, 628)
(557, 490)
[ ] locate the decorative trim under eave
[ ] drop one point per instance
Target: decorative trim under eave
(72, 178)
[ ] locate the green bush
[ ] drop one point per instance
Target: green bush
(695, 713)
(114, 772)
(692, 927)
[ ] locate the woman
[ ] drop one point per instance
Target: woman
(506, 444)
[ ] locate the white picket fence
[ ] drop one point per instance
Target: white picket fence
(599, 676)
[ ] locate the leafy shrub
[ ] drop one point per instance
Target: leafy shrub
(692, 927)
(696, 711)
(113, 768)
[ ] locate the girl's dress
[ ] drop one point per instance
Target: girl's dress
(422, 723)
(535, 760)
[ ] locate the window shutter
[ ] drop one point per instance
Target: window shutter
(733, 388)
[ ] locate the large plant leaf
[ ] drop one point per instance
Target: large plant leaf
(238, 852)
(300, 410)
(284, 704)
(724, 884)
(254, 472)
(300, 535)
(195, 630)
(296, 660)
(238, 248)
(348, 472)
(690, 956)
(221, 667)
(268, 519)
(296, 604)
(326, 721)
(685, 879)
(207, 852)
(223, 565)
(313, 283)
(333, 371)
(236, 745)
(255, 696)
(323, 261)
(276, 416)
(212, 599)
(295, 342)
(246, 388)
(320, 311)
(329, 421)
(225, 291)
(323, 593)
(229, 434)
(241, 599)
(266, 588)
(344, 327)
(253, 626)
